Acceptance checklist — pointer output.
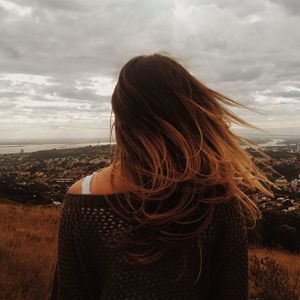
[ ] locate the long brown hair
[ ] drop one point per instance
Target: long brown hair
(173, 135)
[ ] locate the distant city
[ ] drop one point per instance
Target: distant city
(44, 176)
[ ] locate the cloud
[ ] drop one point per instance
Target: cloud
(291, 6)
(241, 74)
(59, 60)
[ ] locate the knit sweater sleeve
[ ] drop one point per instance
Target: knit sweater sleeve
(229, 279)
(67, 281)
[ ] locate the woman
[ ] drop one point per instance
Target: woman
(167, 218)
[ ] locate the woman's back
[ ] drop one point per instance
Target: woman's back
(179, 202)
(87, 268)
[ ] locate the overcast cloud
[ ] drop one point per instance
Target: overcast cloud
(59, 59)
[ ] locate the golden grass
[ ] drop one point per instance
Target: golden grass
(284, 258)
(28, 249)
(28, 245)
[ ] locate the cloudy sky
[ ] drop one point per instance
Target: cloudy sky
(59, 59)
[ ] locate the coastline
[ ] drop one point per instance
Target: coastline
(17, 148)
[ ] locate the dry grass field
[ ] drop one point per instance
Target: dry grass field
(28, 241)
(28, 238)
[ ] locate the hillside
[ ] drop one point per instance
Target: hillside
(28, 244)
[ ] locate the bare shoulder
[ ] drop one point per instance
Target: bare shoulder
(76, 187)
(100, 184)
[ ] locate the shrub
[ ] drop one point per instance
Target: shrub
(271, 280)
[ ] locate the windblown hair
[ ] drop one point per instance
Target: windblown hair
(173, 135)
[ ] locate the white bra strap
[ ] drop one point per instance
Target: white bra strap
(86, 183)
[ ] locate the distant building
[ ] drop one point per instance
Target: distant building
(294, 183)
(281, 181)
(64, 180)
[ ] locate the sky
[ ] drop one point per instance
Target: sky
(59, 59)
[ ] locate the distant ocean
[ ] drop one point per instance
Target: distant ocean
(272, 142)
(14, 148)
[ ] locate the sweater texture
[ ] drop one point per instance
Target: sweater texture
(87, 269)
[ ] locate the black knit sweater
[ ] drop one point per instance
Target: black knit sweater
(87, 269)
